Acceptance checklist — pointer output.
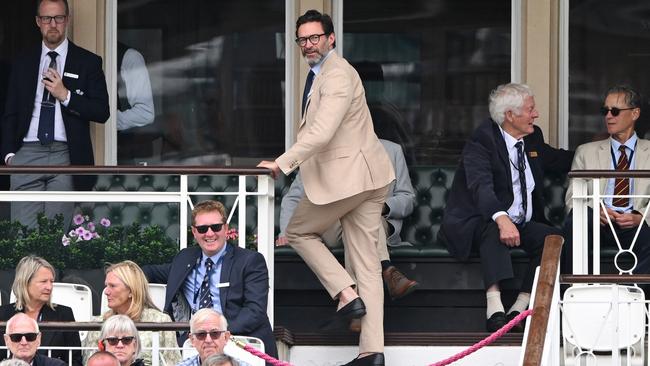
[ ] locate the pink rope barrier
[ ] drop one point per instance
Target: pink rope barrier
(491, 338)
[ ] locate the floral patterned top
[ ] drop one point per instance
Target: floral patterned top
(166, 338)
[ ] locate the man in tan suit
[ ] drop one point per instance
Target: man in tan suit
(623, 150)
(346, 173)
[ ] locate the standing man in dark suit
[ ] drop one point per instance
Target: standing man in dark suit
(496, 202)
(23, 339)
(55, 90)
(231, 280)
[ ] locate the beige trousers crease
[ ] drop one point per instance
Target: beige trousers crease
(360, 218)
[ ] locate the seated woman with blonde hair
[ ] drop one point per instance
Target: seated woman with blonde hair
(33, 286)
(127, 291)
(120, 337)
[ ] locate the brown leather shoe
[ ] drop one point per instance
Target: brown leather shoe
(398, 284)
(355, 325)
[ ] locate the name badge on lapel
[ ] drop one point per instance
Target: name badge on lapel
(223, 284)
(532, 154)
(71, 75)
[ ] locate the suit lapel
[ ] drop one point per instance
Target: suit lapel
(226, 267)
(604, 161)
(501, 147)
(35, 73)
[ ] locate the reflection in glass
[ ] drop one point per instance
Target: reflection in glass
(435, 64)
(216, 76)
(609, 44)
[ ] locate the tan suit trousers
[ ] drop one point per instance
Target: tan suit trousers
(333, 238)
(360, 217)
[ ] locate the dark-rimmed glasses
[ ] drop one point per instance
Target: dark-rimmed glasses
(202, 229)
(214, 334)
(29, 337)
(615, 111)
(314, 39)
(113, 341)
(46, 19)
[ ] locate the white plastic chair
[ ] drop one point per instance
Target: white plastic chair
(232, 350)
(78, 297)
(589, 323)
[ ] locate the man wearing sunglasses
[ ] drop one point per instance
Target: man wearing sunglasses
(23, 339)
(209, 335)
(623, 150)
(226, 278)
(56, 89)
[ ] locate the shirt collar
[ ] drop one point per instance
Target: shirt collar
(62, 49)
(630, 143)
(510, 141)
(215, 258)
(316, 68)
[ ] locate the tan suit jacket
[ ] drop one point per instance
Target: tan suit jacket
(597, 156)
(337, 150)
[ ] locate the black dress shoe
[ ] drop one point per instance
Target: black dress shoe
(519, 327)
(355, 309)
(496, 321)
(375, 359)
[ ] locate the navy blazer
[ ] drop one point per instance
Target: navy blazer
(482, 184)
(60, 313)
(243, 302)
(88, 102)
(41, 360)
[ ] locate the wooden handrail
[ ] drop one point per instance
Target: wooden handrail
(543, 300)
(133, 169)
(609, 174)
(605, 278)
(80, 326)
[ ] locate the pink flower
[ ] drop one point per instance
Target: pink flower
(87, 235)
(232, 234)
(78, 219)
(65, 241)
(95, 235)
(91, 226)
(105, 222)
(80, 230)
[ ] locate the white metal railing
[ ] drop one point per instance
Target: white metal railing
(602, 319)
(183, 197)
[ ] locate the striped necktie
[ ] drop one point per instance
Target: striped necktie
(622, 185)
(205, 296)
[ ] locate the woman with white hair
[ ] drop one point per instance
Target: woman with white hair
(120, 337)
(32, 287)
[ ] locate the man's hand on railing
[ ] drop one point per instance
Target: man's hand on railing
(272, 165)
(281, 241)
(508, 233)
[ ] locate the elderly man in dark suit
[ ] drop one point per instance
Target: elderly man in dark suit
(23, 339)
(496, 202)
(229, 279)
(55, 90)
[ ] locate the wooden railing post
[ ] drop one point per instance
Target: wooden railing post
(543, 299)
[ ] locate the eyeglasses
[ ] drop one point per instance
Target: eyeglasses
(615, 111)
(113, 341)
(214, 334)
(314, 38)
(46, 19)
(29, 337)
(202, 229)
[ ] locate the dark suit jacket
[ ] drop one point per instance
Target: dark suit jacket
(482, 184)
(243, 302)
(41, 360)
(88, 102)
(64, 339)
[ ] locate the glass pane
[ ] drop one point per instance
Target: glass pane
(216, 76)
(609, 44)
(428, 67)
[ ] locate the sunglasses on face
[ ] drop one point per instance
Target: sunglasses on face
(202, 229)
(214, 334)
(113, 341)
(615, 111)
(29, 337)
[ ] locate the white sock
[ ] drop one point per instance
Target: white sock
(521, 304)
(494, 304)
